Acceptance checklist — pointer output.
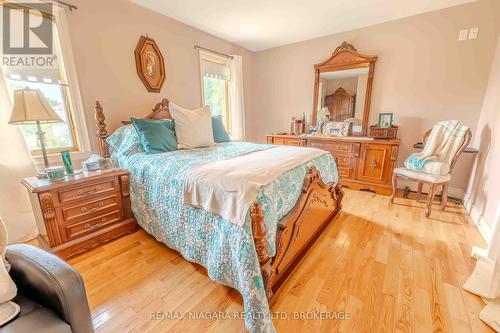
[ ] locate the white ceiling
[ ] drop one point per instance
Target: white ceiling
(263, 24)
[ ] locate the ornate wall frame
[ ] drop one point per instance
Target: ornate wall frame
(149, 64)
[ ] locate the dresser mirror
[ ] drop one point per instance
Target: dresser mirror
(342, 89)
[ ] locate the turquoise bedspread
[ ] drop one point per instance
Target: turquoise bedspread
(226, 250)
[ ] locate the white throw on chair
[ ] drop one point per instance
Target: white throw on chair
(443, 145)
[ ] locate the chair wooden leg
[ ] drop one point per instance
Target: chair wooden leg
(430, 198)
(394, 186)
(444, 196)
(419, 191)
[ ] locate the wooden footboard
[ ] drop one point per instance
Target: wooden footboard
(317, 206)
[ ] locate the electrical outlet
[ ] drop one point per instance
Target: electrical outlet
(463, 34)
(473, 32)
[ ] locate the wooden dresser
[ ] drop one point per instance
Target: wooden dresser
(363, 163)
(81, 212)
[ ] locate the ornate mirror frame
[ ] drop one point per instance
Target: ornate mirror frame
(346, 57)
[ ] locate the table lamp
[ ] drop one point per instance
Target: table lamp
(31, 107)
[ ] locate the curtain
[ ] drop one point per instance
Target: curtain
(237, 105)
(485, 280)
(15, 164)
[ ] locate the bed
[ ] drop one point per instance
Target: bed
(282, 224)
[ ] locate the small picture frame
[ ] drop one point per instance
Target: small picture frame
(385, 120)
(336, 128)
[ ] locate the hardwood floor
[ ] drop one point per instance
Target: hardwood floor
(387, 265)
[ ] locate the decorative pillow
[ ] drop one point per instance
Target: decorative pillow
(193, 128)
(157, 136)
(125, 141)
(220, 134)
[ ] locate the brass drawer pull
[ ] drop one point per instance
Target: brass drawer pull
(87, 210)
(82, 192)
(373, 164)
(88, 225)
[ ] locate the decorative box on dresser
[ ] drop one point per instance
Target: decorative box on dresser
(363, 162)
(81, 212)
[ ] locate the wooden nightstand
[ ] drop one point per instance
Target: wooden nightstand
(81, 212)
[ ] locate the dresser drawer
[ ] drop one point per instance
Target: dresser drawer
(75, 230)
(294, 142)
(344, 160)
(90, 208)
(334, 147)
(345, 172)
(288, 142)
(104, 186)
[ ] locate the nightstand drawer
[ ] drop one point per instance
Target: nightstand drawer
(78, 229)
(81, 212)
(88, 209)
(104, 186)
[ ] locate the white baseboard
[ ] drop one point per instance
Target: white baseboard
(453, 192)
(478, 219)
(468, 203)
(480, 222)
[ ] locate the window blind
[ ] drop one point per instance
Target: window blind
(214, 69)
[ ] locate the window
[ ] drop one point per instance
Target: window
(215, 79)
(53, 82)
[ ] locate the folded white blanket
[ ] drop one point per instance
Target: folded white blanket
(443, 142)
(436, 168)
(229, 187)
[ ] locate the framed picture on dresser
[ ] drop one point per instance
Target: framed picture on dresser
(385, 120)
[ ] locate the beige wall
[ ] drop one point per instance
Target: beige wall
(104, 35)
(423, 74)
(484, 187)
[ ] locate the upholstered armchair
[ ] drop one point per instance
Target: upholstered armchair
(50, 293)
(433, 180)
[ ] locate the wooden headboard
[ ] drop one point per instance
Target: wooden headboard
(160, 111)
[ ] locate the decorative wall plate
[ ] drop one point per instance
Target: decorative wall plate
(149, 64)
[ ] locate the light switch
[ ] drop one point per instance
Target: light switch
(473, 33)
(463, 34)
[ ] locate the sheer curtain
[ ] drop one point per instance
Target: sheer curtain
(237, 99)
(15, 164)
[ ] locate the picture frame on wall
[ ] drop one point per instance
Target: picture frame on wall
(150, 64)
(385, 120)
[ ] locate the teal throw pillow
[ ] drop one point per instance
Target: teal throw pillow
(220, 133)
(157, 136)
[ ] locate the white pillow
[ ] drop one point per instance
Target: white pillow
(193, 128)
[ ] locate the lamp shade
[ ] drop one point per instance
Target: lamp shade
(31, 106)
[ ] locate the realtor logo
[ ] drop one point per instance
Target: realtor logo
(27, 28)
